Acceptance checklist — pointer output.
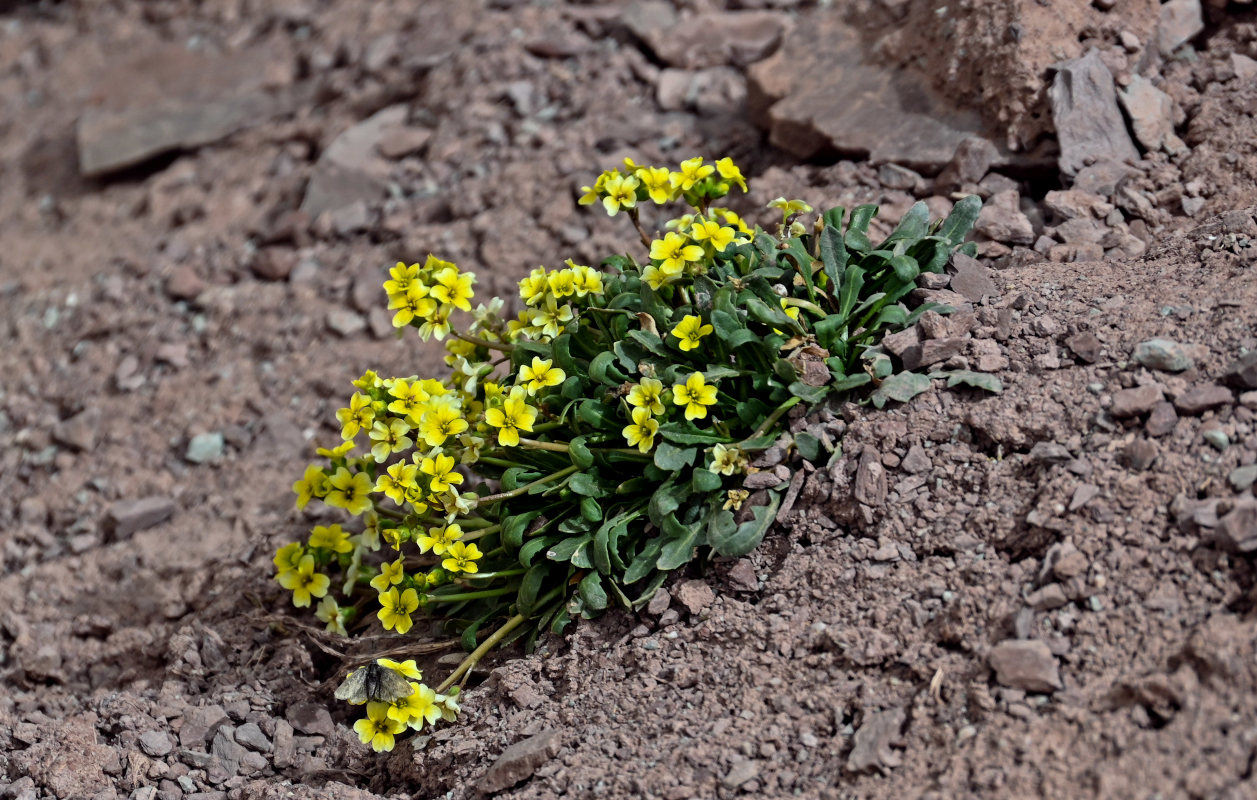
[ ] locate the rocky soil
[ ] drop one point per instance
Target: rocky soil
(1045, 592)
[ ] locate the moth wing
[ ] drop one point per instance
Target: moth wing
(353, 688)
(393, 686)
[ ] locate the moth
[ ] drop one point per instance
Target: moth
(375, 683)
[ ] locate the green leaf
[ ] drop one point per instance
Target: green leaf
(704, 481)
(586, 484)
(650, 341)
(978, 380)
(665, 500)
(770, 315)
(671, 458)
(961, 219)
(562, 551)
(906, 269)
(534, 546)
(580, 453)
(808, 445)
(561, 348)
(849, 295)
(829, 330)
(678, 547)
(581, 556)
(747, 536)
(648, 589)
(515, 477)
(531, 585)
(683, 433)
(561, 620)
(656, 308)
(514, 527)
(603, 370)
(573, 388)
(810, 394)
(591, 591)
(590, 511)
(597, 415)
(900, 388)
(644, 562)
(912, 226)
(851, 382)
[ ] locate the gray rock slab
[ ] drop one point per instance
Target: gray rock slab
(519, 761)
(1089, 124)
(125, 517)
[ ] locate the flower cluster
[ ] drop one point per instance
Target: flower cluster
(422, 706)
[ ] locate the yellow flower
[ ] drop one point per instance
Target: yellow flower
(695, 395)
(328, 612)
(438, 540)
(540, 374)
(440, 423)
(336, 452)
(350, 491)
(532, 290)
(714, 233)
(726, 460)
(674, 252)
(288, 557)
(690, 330)
(408, 668)
(657, 183)
(692, 171)
(391, 574)
(591, 193)
(462, 557)
(331, 537)
(585, 280)
(514, 416)
(411, 304)
(304, 582)
(396, 608)
(359, 415)
(439, 469)
(401, 277)
(648, 395)
(641, 434)
(417, 709)
(394, 483)
(377, 729)
(437, 324)
(312, 484)
(731, 173)
(454, 288)
(789, 207)
(409, 398)
(368, 381)
(389, 438)
(619, 192)
(656, 278)
(552, 318)
(562, 283)
(736, 497)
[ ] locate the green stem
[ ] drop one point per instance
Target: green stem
(458, 598)
(479, 534)
(480, 652)
(388, 512)
(503, 573)
(497, 462)
(476, 340)
(557, 447)
(773, 417)
(493, 498)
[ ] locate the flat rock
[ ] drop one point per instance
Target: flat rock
(1025, 664)
(1050, 453)
(1135, 401)
(742, 576)
(184, 284)
(970, 162)
(1164, 355)
(79, 431)
(711, 38)
(899, 342)
(1202, 397)
(125, 517)
(1085, 345)
(817, 94)
(200, 723)
(156, 743)
(1140, 454)
(1089, 124)
(1243, 371)
(873, 741)
(695, 595)
(345, 323)
(1244, 67)
(740, 773)
(1151, 113)
(170, 98)
(1180, 21)
(1074, 203)
(932, 351)
(204, 448)
(252, 737)
(311, 719)
(352, 168)
(1241, 478)
(1002, 221)
(972, 279)
(916, 460)
(870, 479)
(1162, 419)
(1236, 530)
(519, 761)
(400, 142)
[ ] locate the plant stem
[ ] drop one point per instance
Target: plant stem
(456, 598)
(478, 534)
(480, 652)
(493, 498)
(637, 223)
(557, 447)
(773, 417)
(466, 337)
(388, 512)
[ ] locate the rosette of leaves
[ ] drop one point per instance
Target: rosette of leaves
(585, 523)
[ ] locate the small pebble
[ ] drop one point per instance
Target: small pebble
(1217, 438)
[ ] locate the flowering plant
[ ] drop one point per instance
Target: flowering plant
(580, 451)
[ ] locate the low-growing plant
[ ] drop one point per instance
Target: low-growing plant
(579, 452)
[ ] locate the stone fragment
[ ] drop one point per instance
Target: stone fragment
(742, 576)
(1085, 493)
(1243, 371)
(251, 736)
(125, 517)
(695, 595)
(1025, 664)
(1217, 439)
(934, 325)
(1162, 419)
(873, 742)
(932, 351)
(893, 176)
(1075, 204)
(285, 751)
(899, 342)
(1202, 397)
(352, 169)
(740, 773)
(916, 460)
(1180, 21)
(659, 602)
(311, 719)
(764, 479)
(200, 723)
(1085, 345)
(1135, 401)
(1242, 478)
(1102, 177)
(184, 284)
(1236, 531)
(172, 98)
(1089, 125)
(204, 448)
(156, 743)
(345, 323)
(1001, 220)
(1047, 598)
(274, 264)
(519, 761)
(79, 431)
(870, 479)
(1082, 230)
(225, 748)
(969, 164)
(1140, 454)
(817, 94)
(715, 38)
(1050, 453)
(1163, 355)
(404, 141)
(350, 219)
(972, 279)
(1151, 113)
(1245, 68)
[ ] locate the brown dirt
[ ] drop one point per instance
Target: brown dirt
(851, 656)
